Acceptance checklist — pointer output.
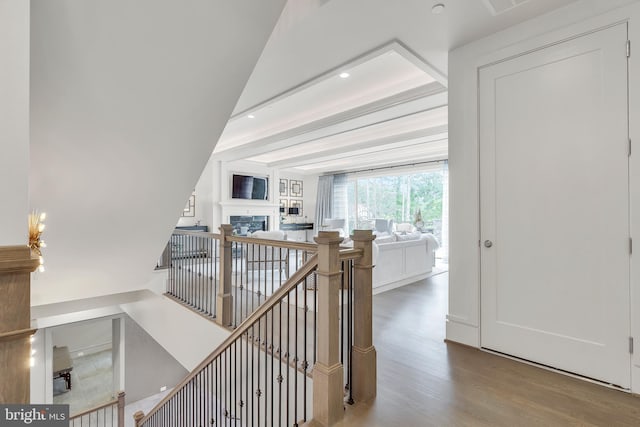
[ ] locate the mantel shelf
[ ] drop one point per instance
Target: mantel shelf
(247, 203)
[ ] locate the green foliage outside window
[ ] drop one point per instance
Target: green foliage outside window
(396, 197)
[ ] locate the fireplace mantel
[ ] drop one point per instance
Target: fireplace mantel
(251, 207)
(241, 203)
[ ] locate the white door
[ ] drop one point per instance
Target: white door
(555, 206)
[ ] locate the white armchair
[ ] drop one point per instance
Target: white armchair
(405, 227)
(334, 224)
(383, 225)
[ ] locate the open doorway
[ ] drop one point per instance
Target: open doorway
(83, 364)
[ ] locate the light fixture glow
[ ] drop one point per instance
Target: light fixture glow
(32, 362)
(251, 116)
(437, 9)
(344, 75)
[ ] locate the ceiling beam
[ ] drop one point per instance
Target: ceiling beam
(381, 157)
(424, 135)
(423, 98)
(391, 46)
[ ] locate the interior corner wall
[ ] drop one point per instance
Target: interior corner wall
(463, 319)
(216, 209)
(310, 196)
(309, 191)
(128, 100)
(204, 199)
(14, 121)
(38, 369)
(148, 366)
(84, 338)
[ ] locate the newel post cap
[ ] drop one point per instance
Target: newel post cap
(328, 238)
(226, 229)
(138, 416)
(363, 236)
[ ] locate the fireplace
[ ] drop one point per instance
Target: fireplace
(243, 224)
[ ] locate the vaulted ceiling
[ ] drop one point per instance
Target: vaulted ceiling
(298, 113)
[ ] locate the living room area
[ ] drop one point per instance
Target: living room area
(404, 206)
(361, 146)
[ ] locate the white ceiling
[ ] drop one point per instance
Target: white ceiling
(390, 110)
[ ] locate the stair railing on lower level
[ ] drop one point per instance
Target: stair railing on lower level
(238, 382)
(258, 268)
(193, 270)
(314, 325)
(110, 414)
(226, 277)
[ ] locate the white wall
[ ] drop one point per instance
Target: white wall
(463, 323)
(84, 338)
(186, 335)
(38, 382)
(14, 121)
(309, 191)
(127, 102)
(148, 366)
(204, 191)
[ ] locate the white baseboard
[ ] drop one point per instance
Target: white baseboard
(635, 379)
(399, 283)
(92, 349)
(462, 333)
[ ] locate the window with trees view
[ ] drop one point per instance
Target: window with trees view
(415, 197)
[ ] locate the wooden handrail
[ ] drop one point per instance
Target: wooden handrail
(287, 244)
(350, 253)
(197, 234)
(271, 302)
(14, 335)
(97, 408)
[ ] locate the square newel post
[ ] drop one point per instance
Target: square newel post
(224, 301)
(16, 265)
(137, 418)
(121, 409)
(364, 353)
(328, 378)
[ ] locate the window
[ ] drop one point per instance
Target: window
(400, 197)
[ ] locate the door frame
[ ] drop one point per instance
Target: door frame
(482, 253)
(574, 20)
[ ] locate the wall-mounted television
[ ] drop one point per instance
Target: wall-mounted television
(250, 187)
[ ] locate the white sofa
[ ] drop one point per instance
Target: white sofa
(401, 259)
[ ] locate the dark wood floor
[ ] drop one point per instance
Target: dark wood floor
(423, 381)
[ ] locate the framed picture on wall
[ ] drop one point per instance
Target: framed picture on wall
(296, 204)
(190, 207)
(284, 187)
(284, 205)
(296, 188)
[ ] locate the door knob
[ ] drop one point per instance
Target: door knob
(488, 243)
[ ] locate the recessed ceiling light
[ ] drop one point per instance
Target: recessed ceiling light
(344, 75)
(251, 116)
(437, 9)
